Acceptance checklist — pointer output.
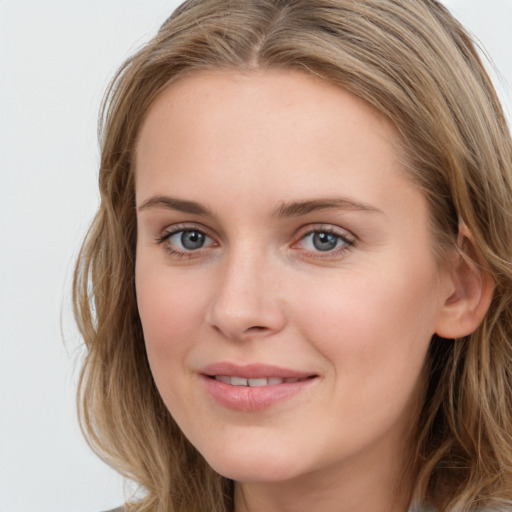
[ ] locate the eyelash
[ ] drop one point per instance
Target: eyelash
(347, 242)
(166, 235)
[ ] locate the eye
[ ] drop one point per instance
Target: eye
(325, 241)
(322, 241)
(188, 240)
(185, 240)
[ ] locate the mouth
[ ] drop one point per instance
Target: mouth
(258, 382)
(254, 387)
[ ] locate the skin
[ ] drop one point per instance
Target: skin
(359, 317)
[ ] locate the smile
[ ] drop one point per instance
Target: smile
(254, 387)
(259, 382)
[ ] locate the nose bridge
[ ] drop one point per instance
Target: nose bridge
(245, 301)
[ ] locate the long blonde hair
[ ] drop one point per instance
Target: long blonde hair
(413, 62)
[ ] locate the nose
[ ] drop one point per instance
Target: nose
(247, 300)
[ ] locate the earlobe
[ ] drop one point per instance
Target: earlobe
(472, 290)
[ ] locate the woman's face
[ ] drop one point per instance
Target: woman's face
(285, 273)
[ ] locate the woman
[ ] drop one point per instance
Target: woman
(296, 292)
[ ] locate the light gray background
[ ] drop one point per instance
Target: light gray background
(56, 58)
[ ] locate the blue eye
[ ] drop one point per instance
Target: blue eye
(185, 240)
(189, 240)
(325, 241)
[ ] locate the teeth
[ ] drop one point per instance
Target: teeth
(240, 381)
(257, 382)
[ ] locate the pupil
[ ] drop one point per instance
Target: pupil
(192, 240)
(324, 241)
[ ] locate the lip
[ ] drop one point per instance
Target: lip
(247, 398)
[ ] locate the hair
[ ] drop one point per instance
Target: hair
(414, 63)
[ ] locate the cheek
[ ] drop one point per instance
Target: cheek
(373, 325)
(169, 310)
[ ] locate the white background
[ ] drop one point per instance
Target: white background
(56, 58)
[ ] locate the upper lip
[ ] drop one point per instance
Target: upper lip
(253, 371)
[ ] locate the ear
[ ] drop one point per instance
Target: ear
(472, 289)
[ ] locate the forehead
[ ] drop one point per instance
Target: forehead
(245, 120)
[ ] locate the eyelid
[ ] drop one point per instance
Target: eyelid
(325, 228)
(168, 232)
(346, 236)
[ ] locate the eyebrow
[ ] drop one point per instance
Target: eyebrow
(170, 203)
(298, 208)
(288, 209)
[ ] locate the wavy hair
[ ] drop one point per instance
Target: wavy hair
(414, 63)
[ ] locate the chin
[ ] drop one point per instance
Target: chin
(260, 468)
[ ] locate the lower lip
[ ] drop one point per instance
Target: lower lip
(257, 398)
